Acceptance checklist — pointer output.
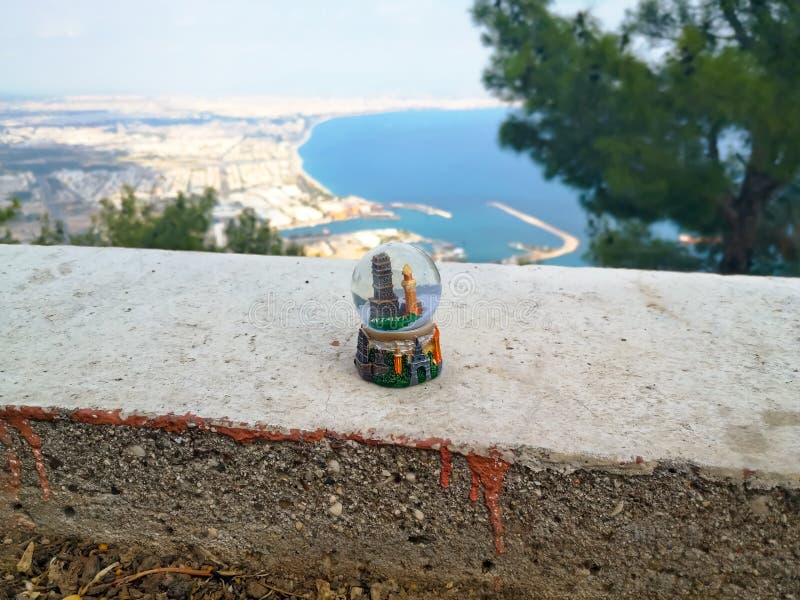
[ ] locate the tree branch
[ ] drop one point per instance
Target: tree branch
(713, 143)
(729, 12)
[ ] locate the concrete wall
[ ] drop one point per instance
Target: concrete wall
(606, 423)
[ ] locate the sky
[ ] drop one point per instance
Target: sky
(397, 48)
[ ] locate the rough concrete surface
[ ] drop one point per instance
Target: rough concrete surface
(362, 513)
(623, 433)
(585, 362)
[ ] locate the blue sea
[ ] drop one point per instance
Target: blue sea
(446, 159)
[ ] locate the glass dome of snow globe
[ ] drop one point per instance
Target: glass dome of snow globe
(396, 288)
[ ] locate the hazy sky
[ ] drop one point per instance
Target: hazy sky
(283, 47)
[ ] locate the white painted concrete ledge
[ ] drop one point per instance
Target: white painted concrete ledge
(548, 365)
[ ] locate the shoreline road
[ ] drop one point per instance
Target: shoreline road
(570, 242)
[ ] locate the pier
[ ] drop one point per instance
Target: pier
(423, 208)
(570, 242)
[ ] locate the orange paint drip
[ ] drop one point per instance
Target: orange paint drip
(11, 458)
(18, 421)
(171, 423)
(476, 484)
(242, 433)
(447, 466)
(489, 472)
(35, 413)
(35, 442)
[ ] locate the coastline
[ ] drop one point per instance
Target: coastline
(377, 209)
(303, 140)
(250, 150)
(401, 106)
(531, 254)
(316, 120)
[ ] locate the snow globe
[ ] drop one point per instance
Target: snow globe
(396, 289)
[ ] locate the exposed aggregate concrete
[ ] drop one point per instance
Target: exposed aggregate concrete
(355, 513)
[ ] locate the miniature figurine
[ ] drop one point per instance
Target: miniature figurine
(398, 343)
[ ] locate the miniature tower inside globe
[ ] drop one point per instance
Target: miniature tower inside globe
(398, 342)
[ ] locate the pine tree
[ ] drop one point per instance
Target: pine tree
(704, 132)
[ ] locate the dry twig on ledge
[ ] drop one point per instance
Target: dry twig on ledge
(178, 570)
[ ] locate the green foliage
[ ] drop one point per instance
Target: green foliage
(182, 224)
(632, 245)
(707, 136)
(90, 237)
(128, 225)
(7, 213)
(293, 249)
(49, 234)
(392, 323)
(778, 239)
(247, 235)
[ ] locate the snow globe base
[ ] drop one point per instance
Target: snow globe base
(399, 358)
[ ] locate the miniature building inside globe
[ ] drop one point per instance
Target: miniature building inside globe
(396, 289)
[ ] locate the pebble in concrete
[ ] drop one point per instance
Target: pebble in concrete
(376, 591)
(136, 451)
(336, 509)
(760, 505)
